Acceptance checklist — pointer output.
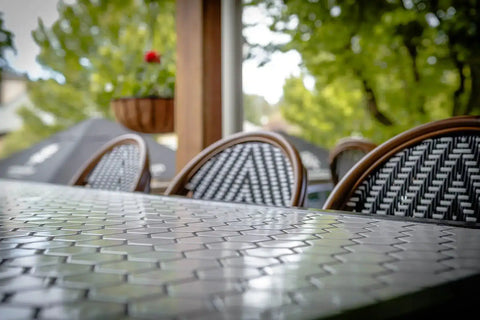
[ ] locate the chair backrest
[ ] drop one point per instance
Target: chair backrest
(122, 164)
(432, 172)
(256, 167)
(346, 153)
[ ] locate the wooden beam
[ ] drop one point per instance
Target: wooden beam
(198, 93)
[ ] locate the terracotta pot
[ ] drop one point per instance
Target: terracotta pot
(147, 115)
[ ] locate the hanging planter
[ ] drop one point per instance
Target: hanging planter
(143, 98)
(147, 115)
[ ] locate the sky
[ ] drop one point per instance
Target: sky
(21, 17)
(267, 80)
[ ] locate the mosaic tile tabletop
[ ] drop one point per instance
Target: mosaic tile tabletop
(75, 253)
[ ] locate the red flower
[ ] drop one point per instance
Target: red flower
(152, 56)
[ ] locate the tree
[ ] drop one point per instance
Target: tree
(380, 67)
(92, 51)
(6, 43)
(255, 107)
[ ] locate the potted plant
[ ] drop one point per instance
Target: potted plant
(146, 103)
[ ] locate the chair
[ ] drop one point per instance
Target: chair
(346, 153)
(122, 164)
(431, 171)
(258, 168)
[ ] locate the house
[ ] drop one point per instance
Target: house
(13, 95)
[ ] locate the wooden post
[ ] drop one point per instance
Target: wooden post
(198, 87)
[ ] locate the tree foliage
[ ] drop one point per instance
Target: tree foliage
(93, 51)
(256, 109)
(380, 67)
(6, 43)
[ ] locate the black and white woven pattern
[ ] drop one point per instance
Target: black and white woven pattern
(249, 172)
(438, 178)
(117, 170)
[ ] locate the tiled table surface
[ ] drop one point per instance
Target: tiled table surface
(77, 253)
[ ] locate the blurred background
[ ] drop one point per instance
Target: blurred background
(316, 70)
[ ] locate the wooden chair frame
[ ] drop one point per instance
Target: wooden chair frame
(345, 188)
(142, 181)
(347, 144)
(177, 186)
